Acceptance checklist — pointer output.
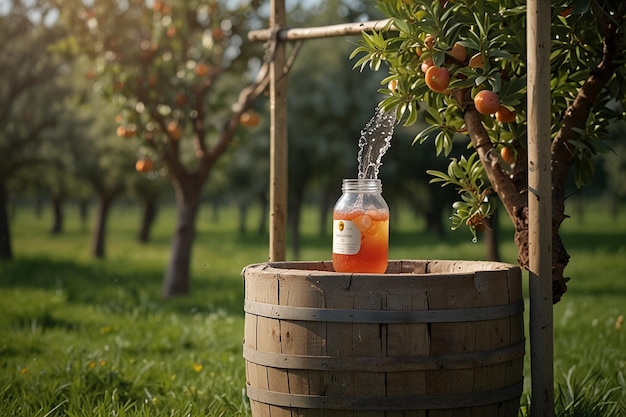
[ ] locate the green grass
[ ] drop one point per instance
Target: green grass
(84, 337)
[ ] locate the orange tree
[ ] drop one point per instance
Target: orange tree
(29, 97)
(182, 76)
(478, 92)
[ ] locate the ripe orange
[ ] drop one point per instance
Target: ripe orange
(202, 69)
(249, 119)
(437, 78)
(427, 63)
(476, 61)
(430, 41)
(458, 52)
(486, 102)
(121, 131)
(144, 165)
(507, 154)
(505, 115)
(392, 85)
(174, 130)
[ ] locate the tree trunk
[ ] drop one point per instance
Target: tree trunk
(177, 274)
(57, 213)
(99, 233)
(5, 232)
(83, 210)
(150, 210)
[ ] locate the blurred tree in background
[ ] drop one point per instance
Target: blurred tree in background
(165, 64)
(29, 95)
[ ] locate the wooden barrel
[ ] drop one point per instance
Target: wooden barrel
(427, 338)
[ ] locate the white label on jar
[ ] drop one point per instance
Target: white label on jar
(346, 237)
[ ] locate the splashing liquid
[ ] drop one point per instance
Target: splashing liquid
(374, 141)
(361, 216)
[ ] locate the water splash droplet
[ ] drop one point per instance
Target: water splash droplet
(374, 141)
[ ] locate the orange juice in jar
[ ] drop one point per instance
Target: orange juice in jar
(361, 228)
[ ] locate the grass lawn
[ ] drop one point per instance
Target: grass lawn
(84, 337)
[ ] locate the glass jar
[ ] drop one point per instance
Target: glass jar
(361, 228)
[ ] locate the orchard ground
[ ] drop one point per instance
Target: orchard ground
(85, 337)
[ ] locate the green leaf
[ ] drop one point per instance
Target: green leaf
(402, 25)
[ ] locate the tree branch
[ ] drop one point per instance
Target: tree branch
(246, 97)
(318, 32)
(511, 196)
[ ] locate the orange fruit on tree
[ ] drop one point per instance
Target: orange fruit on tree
(430, 41)
(144, 165)
(458, 52)
(437, 78)
(174, 130)
(427, 63)
(121, 131)
(249, 119)
(476, 61)
(507, 154)
(202, 69)
(505, 115)
(486, 102)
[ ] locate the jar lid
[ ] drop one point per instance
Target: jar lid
(362, 185)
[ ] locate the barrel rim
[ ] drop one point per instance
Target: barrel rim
(325, 268)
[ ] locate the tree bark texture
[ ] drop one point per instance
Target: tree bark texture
(176, 280)
(150, 210)
(98, 248)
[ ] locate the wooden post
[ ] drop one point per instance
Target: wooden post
(540, 208)
(278, 135)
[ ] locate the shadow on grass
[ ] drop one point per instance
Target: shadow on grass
(118, 288)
